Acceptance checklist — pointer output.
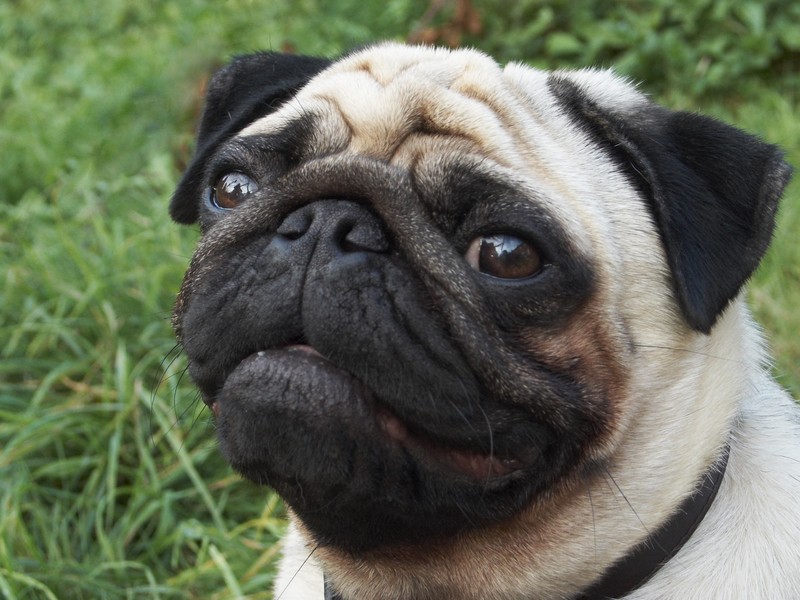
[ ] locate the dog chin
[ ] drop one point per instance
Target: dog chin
(357, 474)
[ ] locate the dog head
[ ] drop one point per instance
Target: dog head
(435, 297)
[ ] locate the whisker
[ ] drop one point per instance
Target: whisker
(624, 497)
(638, 518)
(687, 351)
(297, 572)
(594, 522)
(491, 445)
(164, 366)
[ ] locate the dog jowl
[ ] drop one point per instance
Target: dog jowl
(482, 328)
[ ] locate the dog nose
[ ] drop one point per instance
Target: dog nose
(332, 228)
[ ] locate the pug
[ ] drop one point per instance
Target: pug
(482, 328)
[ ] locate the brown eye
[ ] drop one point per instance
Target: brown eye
(232, 189)
(503, 256)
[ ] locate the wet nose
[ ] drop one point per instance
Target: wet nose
(330, 229)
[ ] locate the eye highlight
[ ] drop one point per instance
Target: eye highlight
(503, 256)
(231, 189)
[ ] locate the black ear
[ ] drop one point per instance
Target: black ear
(713, 191)
(243, 91)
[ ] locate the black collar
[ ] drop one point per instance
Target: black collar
(641, 563)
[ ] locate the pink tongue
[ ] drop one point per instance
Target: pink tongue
(304, 348)
(481, 466)
(468, 462)
(391, 425)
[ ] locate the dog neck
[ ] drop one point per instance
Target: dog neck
(640, 564)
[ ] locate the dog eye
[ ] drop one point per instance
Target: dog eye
(232, 189)
(503, 256)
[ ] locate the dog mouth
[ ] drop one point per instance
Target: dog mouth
(382, 453)
(475, 464)
(467, 459)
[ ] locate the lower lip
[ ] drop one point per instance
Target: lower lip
(470, 463)
(300, 348)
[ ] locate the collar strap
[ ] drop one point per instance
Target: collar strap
(640, 564)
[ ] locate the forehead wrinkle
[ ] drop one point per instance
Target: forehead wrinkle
(379, 116)
(391, 103)
(383, 97)
(451, 112)
(455, 100)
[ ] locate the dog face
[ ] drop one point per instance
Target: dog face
(425, 284)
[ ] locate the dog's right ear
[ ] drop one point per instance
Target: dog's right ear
(711, 189)
(242, 92)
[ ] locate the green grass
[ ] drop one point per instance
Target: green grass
(110, 482)
(775, 289)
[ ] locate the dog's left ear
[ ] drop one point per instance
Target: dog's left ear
(713, 190)
(245, 90)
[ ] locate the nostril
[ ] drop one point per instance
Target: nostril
(363, 235)
(296, 225)
(328, 228)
